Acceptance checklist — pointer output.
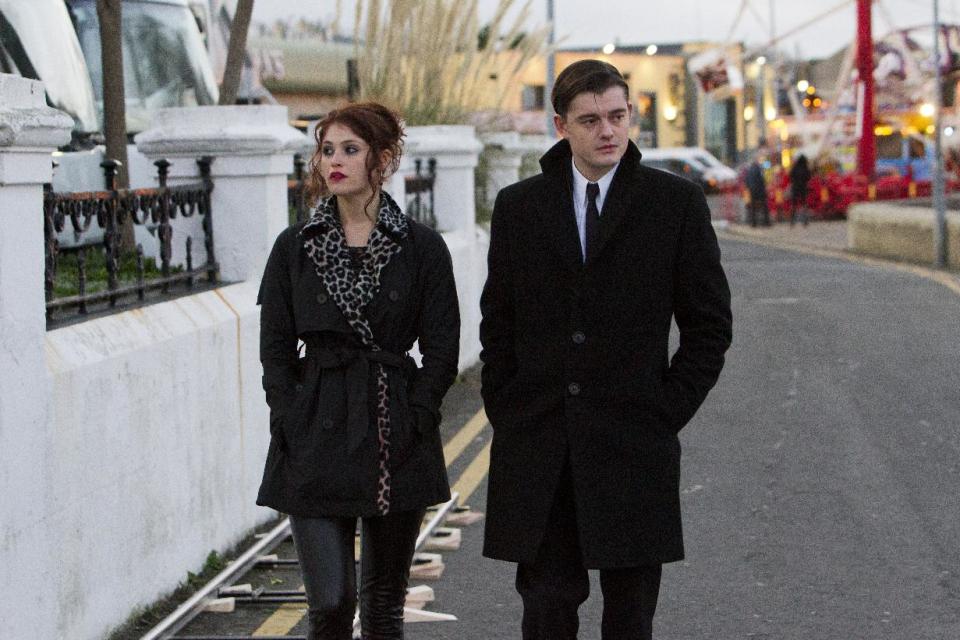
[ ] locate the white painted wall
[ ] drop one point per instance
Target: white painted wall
(132, 445)
(468, 250)
(151, 458)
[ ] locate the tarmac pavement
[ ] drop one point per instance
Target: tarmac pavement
(819, 478)
(819, 483)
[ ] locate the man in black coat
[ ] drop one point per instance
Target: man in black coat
(757, 211)
(589, 262)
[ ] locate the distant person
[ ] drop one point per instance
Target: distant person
(354, 422)
(588, 264)
(800, 175)
(757, 210)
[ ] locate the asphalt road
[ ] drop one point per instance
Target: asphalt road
(820, 479)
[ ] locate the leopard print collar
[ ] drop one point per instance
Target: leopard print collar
(389, 216)
(352, 289)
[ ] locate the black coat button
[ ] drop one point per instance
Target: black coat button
(322, 298)
(573, 388)
(299, 388)
(394, 295)
(578, 337)
(327, 423)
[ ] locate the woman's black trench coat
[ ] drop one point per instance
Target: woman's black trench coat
(322, 461)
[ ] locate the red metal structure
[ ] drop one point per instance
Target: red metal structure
(867, 147)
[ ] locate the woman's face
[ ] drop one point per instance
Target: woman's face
(343, 162)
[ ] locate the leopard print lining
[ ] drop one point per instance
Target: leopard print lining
(352, 289)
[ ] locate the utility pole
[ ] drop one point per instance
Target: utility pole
(867, 147)
(760, 116)
(774, 77)
(551, 73)
(939, 199)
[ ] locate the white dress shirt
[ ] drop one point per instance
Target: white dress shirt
(580, 200)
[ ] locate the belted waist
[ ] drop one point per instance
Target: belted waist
(355, 362)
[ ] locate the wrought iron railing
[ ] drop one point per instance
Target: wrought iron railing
(296, 190)
(111, 209)
(419, 188)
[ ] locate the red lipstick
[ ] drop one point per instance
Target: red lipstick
(336, 176)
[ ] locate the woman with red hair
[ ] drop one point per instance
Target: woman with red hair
(354, 422)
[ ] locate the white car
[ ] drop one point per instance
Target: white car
(693, 163)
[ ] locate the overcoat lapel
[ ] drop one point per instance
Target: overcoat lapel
(618, 204)
(561, 222)
(556, 205)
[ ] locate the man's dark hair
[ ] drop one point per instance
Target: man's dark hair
(591, 76)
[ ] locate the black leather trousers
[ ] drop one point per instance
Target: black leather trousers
(325, 547)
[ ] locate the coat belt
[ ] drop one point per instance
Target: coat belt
(355, 363)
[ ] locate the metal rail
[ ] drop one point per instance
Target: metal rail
(436, 520)
(192, 607)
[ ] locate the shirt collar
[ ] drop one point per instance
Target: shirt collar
(580, 184)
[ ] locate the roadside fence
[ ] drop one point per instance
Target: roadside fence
(418, 201)
(95, 274)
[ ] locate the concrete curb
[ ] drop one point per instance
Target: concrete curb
(950, 280)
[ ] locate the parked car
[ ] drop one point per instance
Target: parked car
(693, 163)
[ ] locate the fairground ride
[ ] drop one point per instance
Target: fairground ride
(886, 86)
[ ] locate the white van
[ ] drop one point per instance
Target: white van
(693, 163)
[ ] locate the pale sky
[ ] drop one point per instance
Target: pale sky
(596, 22)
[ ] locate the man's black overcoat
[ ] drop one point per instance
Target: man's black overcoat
(576, 363)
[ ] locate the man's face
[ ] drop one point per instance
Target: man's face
(596, 126)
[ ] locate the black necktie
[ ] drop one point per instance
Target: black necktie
(592, 223)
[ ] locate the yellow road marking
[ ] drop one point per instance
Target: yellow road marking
(941, 277)
(464, 437)
(282, 620)
(473, 475)
(288, 615)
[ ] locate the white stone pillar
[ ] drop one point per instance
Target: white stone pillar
(456, 149)
(253, 147)
(534, 146)
(29, 132)
(503, 152)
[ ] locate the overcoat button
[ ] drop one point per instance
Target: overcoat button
(328, 423)
(394, 295)
(299, 388)
(578, 337)
(322, 298)
(573, 388)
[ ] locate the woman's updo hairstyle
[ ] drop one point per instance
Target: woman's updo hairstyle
(373, 123)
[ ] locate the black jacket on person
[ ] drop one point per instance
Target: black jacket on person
(756, 183)
(575, 358)
(800, 175)
(312, 469)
